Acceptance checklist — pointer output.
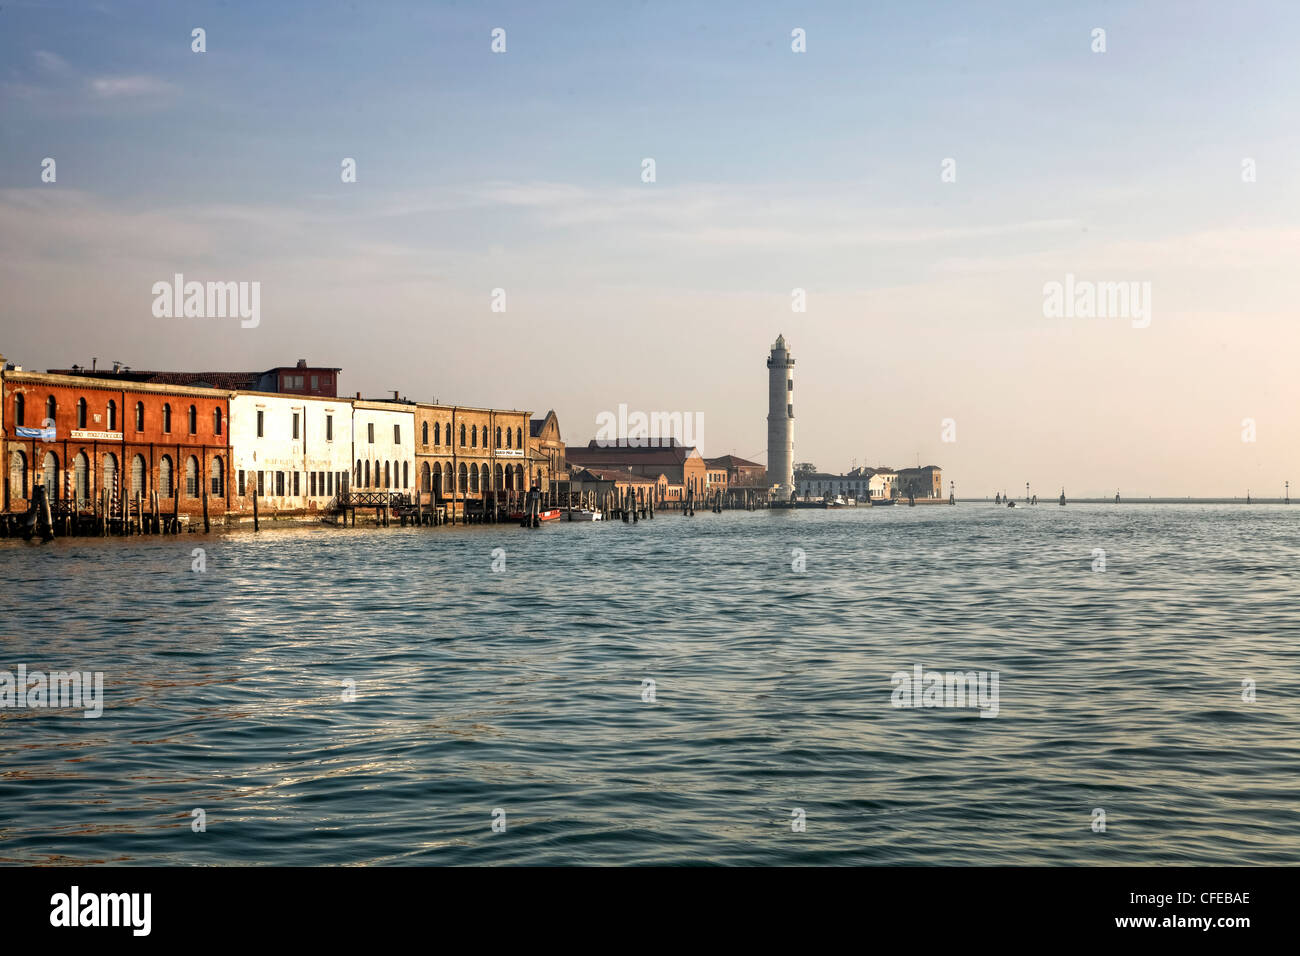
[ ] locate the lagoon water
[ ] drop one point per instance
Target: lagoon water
(522, 691)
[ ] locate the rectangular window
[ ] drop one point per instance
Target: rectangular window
(259, 423)
(295, 484)
(789, 385)
(397, 434)
(261, 484)
(331, 484)
(242, 486)
(329, 427)
(279, 484)
(295, 424)
(370, 432)
(312, 485)
(789, 410)
(315, 383)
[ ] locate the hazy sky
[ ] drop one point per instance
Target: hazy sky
(775, 170)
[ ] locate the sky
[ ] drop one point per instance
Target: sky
(921, 171)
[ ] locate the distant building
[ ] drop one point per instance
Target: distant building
(923, 482)
(682, 465)
(741, 473)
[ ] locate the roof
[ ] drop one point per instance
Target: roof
(222, 380)
(596, 454)
(615, 474)
(731, 461)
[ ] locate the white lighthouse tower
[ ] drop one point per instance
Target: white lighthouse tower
(780, 418)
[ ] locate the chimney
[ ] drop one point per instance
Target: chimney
(302, 363)
(394, 394)
(358, 394)
(94, 364)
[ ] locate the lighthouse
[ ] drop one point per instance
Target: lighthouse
(780, 417)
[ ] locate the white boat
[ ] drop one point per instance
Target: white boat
(584, 514)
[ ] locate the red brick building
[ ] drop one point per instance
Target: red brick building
(119, 436)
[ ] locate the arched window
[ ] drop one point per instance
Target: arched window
(519, 438)
(377, 485)
(448, 486)
(194, 420)
(406, 475)
(137, 476)
(367, 475)
(426, 480)
(112, 416)
(473, 437)
(52, 475)
(386, 475)
(437, 433)
(167, 417)
(17, 475)
(486, 478)
(191, 477)
(110, 473)
(81, 413)
(424, 434)
(139, 416)
(498, 444)
(216, 421)
(462, 435)
(218, 477)
(446, 433)
(51, 408)
(473, 479)
(20, 407)
(519, 477)
(81, 477)
(165, 478)
(509, 438)
(497, 475)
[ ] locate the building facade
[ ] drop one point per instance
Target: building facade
(466, 454)
(84, 437)
(383, 445)
(294, 453)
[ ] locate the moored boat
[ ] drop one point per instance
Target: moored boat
(584, 514)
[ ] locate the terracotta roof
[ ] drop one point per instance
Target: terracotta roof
(595, 454)
(731, 461)
(614, 474)
(223, 380)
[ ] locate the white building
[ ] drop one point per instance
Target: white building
(296, 450)
(383, 446)
(881, 484)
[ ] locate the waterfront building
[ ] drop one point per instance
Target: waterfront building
(80, 436)
(299, 379)
(463, 453)
(547, 452)
(925, 481)
(604, 480)
(683, 466)
(882, 483)
(292, 451)
(780, 418)
(383, 445)
(741, 473)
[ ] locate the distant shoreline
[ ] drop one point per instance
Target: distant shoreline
(1141, 501)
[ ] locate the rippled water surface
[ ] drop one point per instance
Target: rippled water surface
(522, 690)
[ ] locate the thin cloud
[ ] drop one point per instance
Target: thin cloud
(113, 87)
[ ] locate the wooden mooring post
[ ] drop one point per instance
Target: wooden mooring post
(207, 525)
(256, 522)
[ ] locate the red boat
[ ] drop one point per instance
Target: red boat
(550, 514)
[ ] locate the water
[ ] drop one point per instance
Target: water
(522, 690)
